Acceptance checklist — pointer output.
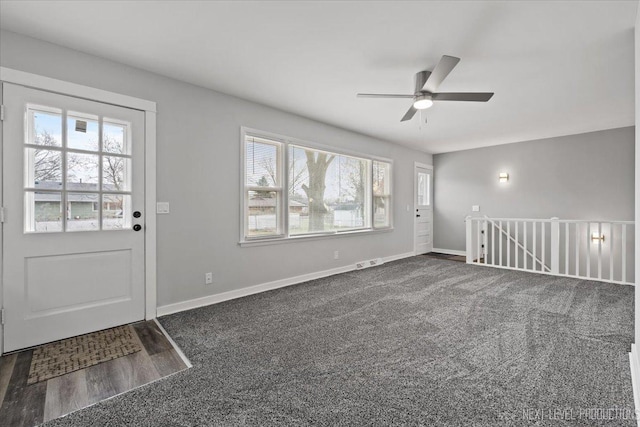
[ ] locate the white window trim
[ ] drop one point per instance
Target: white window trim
(283, 236)
(389, 196)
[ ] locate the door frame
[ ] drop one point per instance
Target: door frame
(35, 81)
(417, 165)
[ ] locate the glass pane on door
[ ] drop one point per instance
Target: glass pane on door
(82, 214)
(114, 138)
(423, 189)
(82, 171)
(82, 132)
(43, 168)
(43, 211)
(116, 212)
(45, 127)
(116, 173)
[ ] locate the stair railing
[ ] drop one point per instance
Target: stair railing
(596, 250)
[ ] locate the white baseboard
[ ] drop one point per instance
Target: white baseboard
(263, 287)
(635, 377)
(399, 256)
(449, 251)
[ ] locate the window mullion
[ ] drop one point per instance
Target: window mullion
(285, 186)
(63, 178)
(100, 173)
(370, 193)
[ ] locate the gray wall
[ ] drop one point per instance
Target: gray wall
(198, 173)
(586, 176)
(637, 176)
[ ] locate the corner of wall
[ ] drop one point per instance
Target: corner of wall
(633, 356)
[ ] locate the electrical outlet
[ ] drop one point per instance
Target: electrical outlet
(336, 254)
(208, 278)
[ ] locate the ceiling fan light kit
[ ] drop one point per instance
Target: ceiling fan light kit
(422, 102)
(426, 84)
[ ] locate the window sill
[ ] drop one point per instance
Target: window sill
(280, 240)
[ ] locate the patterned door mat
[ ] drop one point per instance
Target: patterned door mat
(72, 354)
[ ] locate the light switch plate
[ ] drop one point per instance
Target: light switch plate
(475, 208)
(162, 207)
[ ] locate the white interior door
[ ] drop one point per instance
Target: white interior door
(423, 210)
(73, 236)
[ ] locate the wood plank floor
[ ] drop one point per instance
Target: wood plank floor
(30, 405)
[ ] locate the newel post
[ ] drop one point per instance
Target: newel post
(555, 245)
(469, 246)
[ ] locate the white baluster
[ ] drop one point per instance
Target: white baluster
(479, 240)
(624, 252)
(600, 250)
(469, 232)
(555, 245)
(524, 251)
(508, 243)
(543, 226)
(493, 243)
(515, 247)
(610, 244)
(486, 243)
(535, 249)
(500, 242)
(566, 248)
(589, 250)
(577, 249)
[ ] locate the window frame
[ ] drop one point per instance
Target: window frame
(29, 191)
(281, 222)
(388, 196)
(283, 235)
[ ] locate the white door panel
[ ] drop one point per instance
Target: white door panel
(112, 281)
(73, 175)
(423, 227)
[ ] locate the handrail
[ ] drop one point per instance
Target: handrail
(582, 221)
(510, 237)
(586, 249)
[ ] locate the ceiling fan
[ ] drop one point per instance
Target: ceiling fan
(426, 84)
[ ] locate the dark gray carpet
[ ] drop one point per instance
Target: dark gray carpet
(419, 341)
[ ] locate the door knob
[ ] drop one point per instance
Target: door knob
(137, 227)
(137, 214)
(417, 216)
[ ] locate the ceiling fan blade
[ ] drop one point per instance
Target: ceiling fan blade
(421, 79)
(382, 95)
(462, 96)
(442, 70)
(412, 111)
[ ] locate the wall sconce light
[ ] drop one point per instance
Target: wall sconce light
(597, 237)
(503, 177)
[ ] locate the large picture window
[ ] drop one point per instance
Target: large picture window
(292, 190)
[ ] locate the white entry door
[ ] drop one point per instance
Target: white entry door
(73, 236)
(423, 210)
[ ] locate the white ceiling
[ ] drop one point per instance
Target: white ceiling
(556, 68)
